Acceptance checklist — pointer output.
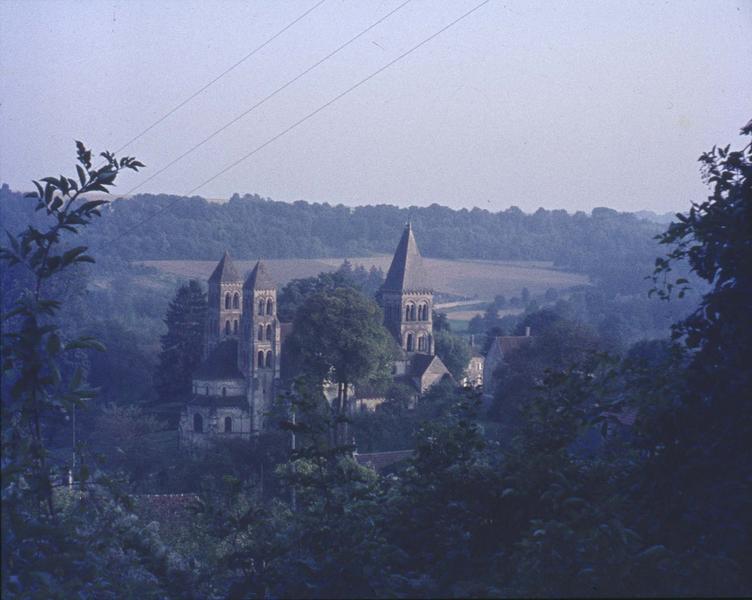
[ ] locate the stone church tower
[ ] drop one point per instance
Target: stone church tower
(407, 298)
(236, 382)
(259, 356)
(225, 299)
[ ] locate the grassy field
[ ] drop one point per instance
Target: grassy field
(473, 280)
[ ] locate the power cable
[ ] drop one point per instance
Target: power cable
(305, 118)
(265, 99)
(220, 76)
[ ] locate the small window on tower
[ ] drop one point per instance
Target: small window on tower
(227, 327)
(261, 307)
(269, 358)
(269, 332)
(227, 300)
(228, 424)
(260, 360)
(235, 327)
(236, 300)
(269, 306)
(261, 332)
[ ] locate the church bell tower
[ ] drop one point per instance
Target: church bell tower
(260, 345)
(225, 300)
(407, 298)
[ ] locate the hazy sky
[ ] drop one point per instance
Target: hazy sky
(555, 104)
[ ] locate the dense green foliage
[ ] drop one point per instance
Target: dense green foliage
(292, 296)
(592, 474)
(339, 337)
(57, 543)
(453, 351)
(182, 347)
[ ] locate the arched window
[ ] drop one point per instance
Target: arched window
(224, 391)
(269, 306)
(269, 332)
(421, 343)
(227, 300)
(412, 312)
(409, 342)
(269, 358)
(235, 327)
(198, 423)
(228, 424)
(236, 300)
(261, 307)
(227, 327)
(260, 359)
(423, 312)
(260, 333)
(408, 311)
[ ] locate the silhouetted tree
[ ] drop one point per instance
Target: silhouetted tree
(182, 348)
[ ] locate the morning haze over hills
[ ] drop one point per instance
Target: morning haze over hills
(501, 350)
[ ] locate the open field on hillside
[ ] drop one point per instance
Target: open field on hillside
(478, 280)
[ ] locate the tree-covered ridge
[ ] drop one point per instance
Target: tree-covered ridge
(194, 228)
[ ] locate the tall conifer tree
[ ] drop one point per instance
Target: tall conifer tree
(182, 347)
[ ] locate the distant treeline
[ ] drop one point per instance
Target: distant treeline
(603, 244)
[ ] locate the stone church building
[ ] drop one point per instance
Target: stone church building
(243, 345)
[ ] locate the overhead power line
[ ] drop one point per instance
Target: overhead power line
(266, 98)
(308, 116)
(220, 76)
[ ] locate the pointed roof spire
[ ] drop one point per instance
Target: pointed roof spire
(259, 279)
(406, 272)
(225, 271)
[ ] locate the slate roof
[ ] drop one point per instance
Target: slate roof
(406, 273)
(225, 271)
(259, 279)
(222, 363)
